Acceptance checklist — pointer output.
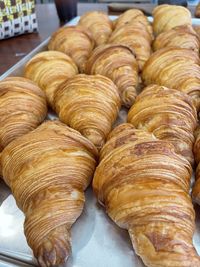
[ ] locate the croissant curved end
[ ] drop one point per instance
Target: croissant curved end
(95, 137)
(128, 96)
(54, 250)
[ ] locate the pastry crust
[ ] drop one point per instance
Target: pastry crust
(166, 17)
(99, 24)
(133, 17)
(49, 69)
(89, 104)
(48, 171)
(144, 186)
(196, 150)
(118, 63)
(136, 37)
(182, 36)
(22, 108)
(74, 41)
(169, 115)
(176, 68)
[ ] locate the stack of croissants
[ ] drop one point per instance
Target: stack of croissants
(142, 168)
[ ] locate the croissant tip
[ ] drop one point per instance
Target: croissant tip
(52, 256)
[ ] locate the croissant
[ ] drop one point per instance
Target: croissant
(182, 36)
(99, 24)
(49, 69)
(196, 150)
(197, 30)
(22, 108)
(133, 16)
(48, 171)
(118, 63)
(197, 11)
(144, 186)
(176, 68)
(137, 38)
(166, 17)
(168, 114)
(74, 41)
(89, 104)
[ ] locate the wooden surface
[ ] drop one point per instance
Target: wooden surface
(14, 49)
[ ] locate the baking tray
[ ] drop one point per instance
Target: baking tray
(96, 240)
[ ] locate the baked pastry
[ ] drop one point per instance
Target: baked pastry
(169, 115)
(133, 16)
(166, 17)
(118, 63)
(99, 24)
(22, 108)
(136, 37)
(197, 11)
(49, 69)
(89, 104)
(48, 171)
(75, 41)
(176, 68)
(196, 150)
(144, 186)
(197, 30)
(183, 36)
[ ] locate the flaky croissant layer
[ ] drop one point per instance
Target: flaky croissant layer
(144, 186)
(22, 108)
(89, 104)
(167, 113)
(118, 63)
(49, 69)
(48, 171)
(75, 41)
(183, 36)
(136, 37)
(166, 17)
(176, 68)
(99, 24)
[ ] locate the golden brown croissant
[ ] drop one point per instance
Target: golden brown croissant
(89, 104)
(22, 108)
(99, 24)
(48, 171)
(144, 186)
(137, 38)
(75, 41)
(176, 68)
(118, 63)
(197, 11)
(196, 150)
(49, 69)
(197, 30)
(168, 114)
(182, 36)
(166, 17)
(133, 16)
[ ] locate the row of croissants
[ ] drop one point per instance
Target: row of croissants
(141, 169)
